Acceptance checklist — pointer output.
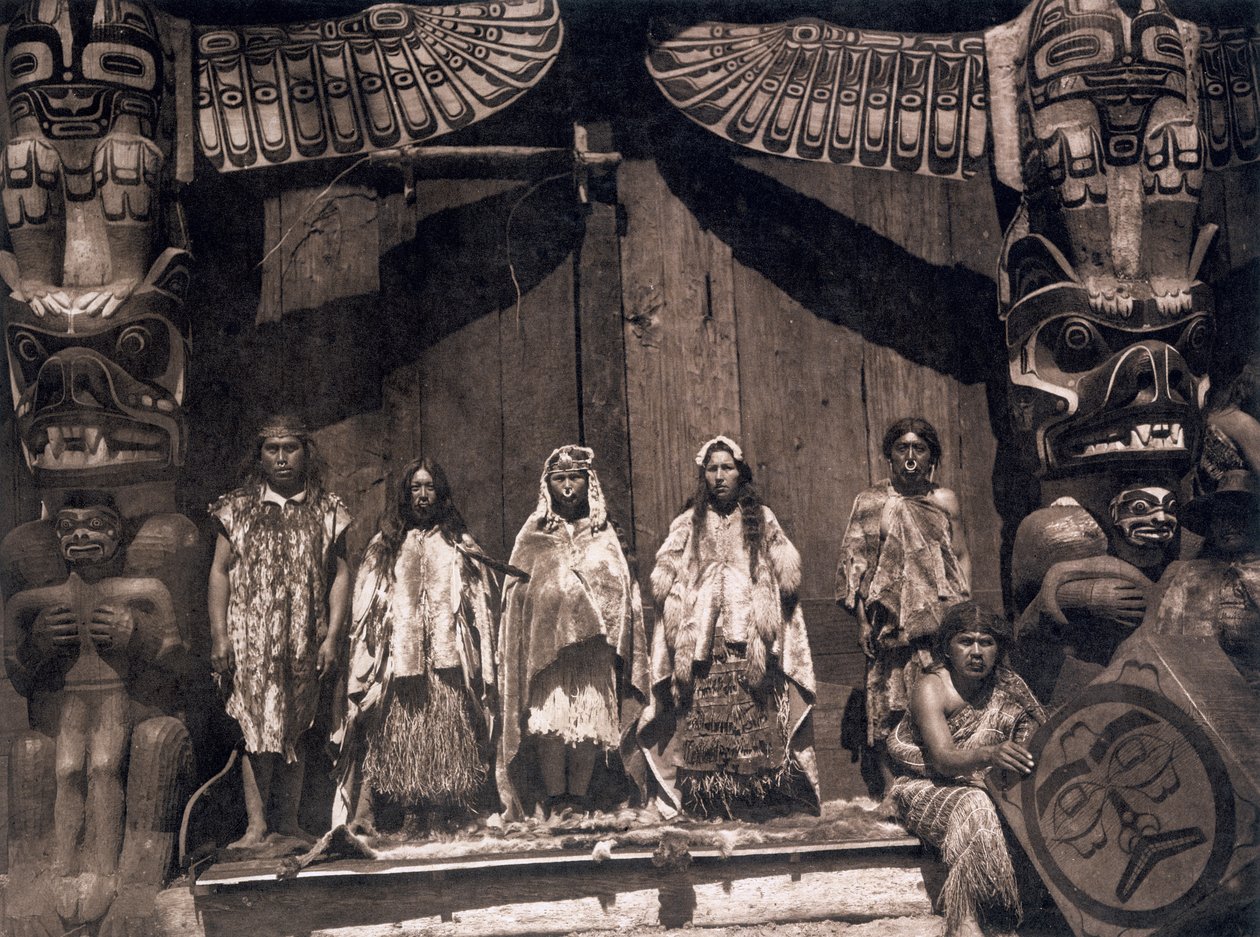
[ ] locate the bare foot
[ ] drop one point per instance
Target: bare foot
(83, 898)
(967, 927)
(252, 839)
(291, 830)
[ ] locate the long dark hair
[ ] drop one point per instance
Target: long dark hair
(397, 518)
(746, 498)
(249, 472)
(970, 616)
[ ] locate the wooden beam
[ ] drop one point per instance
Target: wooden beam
(758, 886)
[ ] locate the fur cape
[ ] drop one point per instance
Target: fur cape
(580, 589)
(692, 584)
(391, 636)
(912, 573)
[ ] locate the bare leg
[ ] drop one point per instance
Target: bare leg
(286, 792)
(256, 771)
(364, 821)
(109, 730)
(552, 756)
(71, 804)
(581, 764)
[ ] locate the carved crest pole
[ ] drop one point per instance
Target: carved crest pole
(100, 132)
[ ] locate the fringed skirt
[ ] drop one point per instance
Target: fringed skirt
(575, 699)
(962, 822)
(734, 748)
(425, 748)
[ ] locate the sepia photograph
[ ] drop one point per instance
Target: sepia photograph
(744, 468)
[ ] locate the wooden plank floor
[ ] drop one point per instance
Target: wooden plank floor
(557, 893)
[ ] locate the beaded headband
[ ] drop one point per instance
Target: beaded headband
(731, 444)
(280, 425)
(569, 459)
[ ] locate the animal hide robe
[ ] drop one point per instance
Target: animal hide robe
(699, 587)
(899, 585)
(433, 611)
(580, 590)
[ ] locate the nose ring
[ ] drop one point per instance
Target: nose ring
(911, 465)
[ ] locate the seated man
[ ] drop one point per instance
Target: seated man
(968, 713)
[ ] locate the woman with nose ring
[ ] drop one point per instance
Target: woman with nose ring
(903, 562)
(572, 651)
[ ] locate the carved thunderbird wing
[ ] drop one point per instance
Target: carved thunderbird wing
(1229, 94)
(392, 75)
(811, 90)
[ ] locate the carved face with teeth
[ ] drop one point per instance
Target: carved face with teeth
(1145, 517)
(1092, 392)
(88, 535)
(99, 401)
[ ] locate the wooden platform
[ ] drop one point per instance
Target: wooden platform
(556, 892)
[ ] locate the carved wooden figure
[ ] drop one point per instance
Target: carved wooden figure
(103, 98)
(93, 640)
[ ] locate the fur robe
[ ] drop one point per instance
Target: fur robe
(580, 590)
(697, 584)
(435, 610)
(905, 579)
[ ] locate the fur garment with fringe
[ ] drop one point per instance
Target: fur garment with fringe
(712, 608)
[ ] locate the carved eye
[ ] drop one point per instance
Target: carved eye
(1171, 506)
(1139, 507)
(133, 340)
(96, 523)
(28, 348)
(1077, 336)
(64, 526)
(1077, 346)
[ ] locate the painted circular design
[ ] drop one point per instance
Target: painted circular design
(1135, 820)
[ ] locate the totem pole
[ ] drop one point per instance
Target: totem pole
(96, 597)
(1104, 122)
(102, 119)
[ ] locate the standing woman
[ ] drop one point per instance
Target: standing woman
(732, 676)
(572, 653)
(278, 591)
(419, 707)
(903, 562)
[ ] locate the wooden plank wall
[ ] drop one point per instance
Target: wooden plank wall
(715, 346)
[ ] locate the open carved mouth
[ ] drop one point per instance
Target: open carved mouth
(88, 551)
(64, 446)
(1138, 437)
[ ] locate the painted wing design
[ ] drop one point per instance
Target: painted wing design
(810, 90)
(1229, 94)
(392, 75)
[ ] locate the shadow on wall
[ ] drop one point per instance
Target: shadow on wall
(328, 363)
(941, 317)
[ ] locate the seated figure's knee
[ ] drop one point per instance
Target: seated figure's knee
(162, 751)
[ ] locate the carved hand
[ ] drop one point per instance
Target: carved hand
(1124, 603)
(112, 626)
(55, 630)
